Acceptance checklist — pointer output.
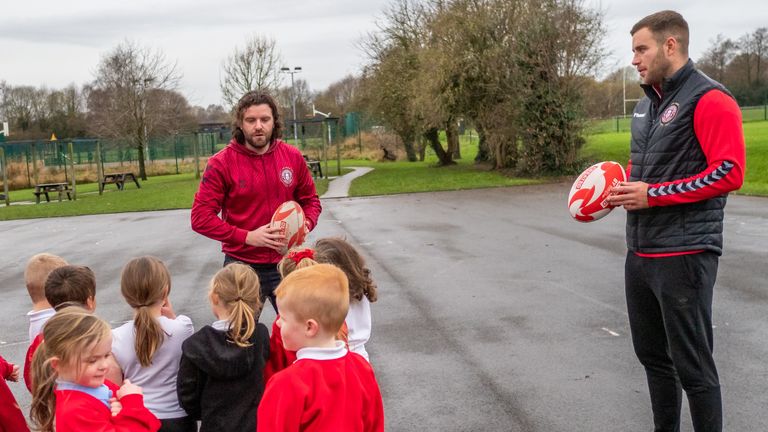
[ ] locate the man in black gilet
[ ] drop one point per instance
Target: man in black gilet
(687, 153)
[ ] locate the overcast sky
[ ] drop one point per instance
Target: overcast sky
(58, 42)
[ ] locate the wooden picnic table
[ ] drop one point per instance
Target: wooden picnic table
(119, 179)
(46, 188)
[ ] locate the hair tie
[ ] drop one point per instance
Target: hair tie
(299, 255)
(238, 298)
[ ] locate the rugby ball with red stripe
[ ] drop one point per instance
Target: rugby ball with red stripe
(289, 217)
(587, 200)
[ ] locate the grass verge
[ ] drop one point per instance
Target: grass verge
(406, 177)
(615, 146)
(157, 193)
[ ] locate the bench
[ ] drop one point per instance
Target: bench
(46, 188)
(119, 180)
(314, 167)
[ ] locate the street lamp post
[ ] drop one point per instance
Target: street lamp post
(295, 70)
(146, 82)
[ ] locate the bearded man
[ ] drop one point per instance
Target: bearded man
(244, 184)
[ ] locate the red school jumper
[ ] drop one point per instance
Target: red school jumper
(326, 389)
(77, 411)
(28, 361)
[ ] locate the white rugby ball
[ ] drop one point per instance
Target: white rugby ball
(587, 201)
(289, 217)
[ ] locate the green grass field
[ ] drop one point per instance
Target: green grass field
(157, 193)
(177, 191)
(406, 177)
(615, 146)
(622, 124)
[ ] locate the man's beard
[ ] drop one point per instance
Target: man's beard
(250, 140)
(661, 67)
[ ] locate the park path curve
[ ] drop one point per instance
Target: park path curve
(339, 187)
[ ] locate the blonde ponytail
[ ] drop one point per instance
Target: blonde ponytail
(237, 287)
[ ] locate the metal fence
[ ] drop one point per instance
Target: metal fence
(38, 158)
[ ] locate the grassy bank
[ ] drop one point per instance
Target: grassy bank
(615, 146)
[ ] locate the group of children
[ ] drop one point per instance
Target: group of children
(311, 374)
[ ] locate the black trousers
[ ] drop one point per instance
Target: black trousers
(669, 301)
(269, 278)
(181, 424)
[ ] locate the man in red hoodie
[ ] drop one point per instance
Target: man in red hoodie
(246, 182)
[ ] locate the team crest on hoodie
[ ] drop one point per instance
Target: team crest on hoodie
(286, 176)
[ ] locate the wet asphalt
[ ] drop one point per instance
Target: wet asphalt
(496, 311)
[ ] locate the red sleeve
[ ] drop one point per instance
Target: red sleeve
(374, 420)
(5, 368)
(306, 194)
(28, 361)
(279, 358)
(282, 405)
(135, 416)
(11, 418)
(208, 203)
(717, 125)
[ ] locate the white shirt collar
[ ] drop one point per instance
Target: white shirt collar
(314, 353)
(221, 325)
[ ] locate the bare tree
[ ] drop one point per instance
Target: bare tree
(124, 80)
(255, 67)
(760, 41)
(213, 113)
(717, 57)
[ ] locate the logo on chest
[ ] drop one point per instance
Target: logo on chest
(670, 113)
(286, 176)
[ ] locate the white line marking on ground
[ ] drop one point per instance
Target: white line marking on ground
(610, 332)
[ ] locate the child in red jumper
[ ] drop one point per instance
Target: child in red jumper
(71, 392)
(11, 418)
(67, 285)
(279, 357)
(328, 387)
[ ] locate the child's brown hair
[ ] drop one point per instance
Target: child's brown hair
(319, 292)
(144, 282)
(36, 272)
(66, 336)
(339, 252)
(238, 289)
(70, 284)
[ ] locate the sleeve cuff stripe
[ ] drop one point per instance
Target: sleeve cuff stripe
(693, 185)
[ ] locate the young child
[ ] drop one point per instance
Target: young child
(65, 285)
(220, 376)
(362, 289)
(279, 358)
(11, 418)
(37, 271)
(148, 348)
(71, 391)
(328, 387)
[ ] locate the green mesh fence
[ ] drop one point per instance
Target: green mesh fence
(41, 160)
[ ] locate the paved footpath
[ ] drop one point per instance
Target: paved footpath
(339, 187)
(496, 312)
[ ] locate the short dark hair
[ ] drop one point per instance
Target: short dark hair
(70, 284)
(663, 25)
(255, 97)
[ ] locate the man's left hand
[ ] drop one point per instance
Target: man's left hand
(631, 195)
